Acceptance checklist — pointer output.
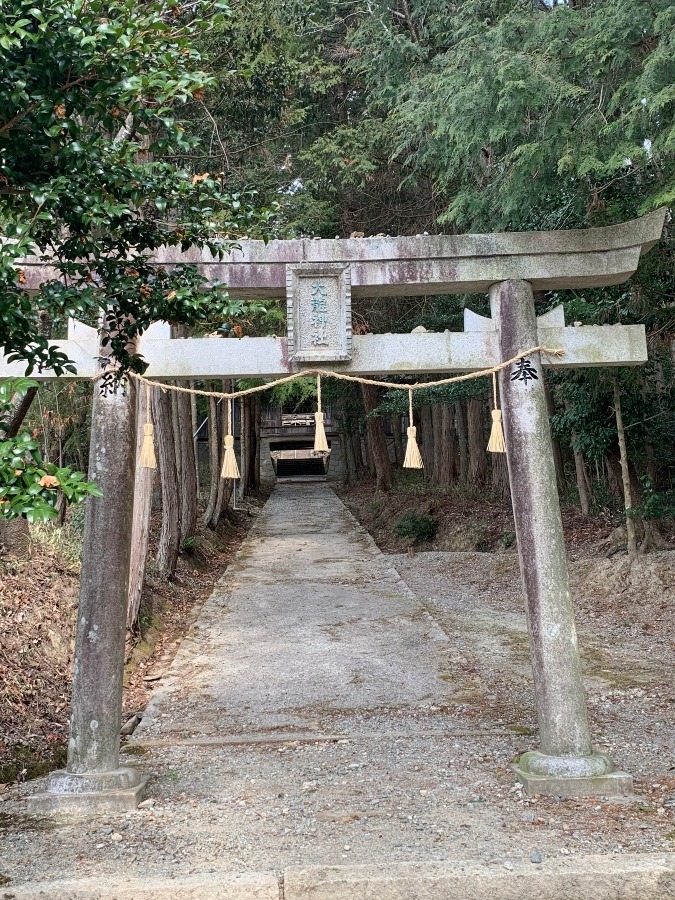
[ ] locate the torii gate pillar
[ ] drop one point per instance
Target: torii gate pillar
(566, 764)
(93, 780)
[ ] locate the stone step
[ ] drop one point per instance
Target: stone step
(638, 877)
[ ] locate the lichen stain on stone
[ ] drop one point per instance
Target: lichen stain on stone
(93, 725)
(404, 366)
(93, 634)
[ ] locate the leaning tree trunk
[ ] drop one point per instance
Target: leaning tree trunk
(396, 431)
(369, 461)
(445, 460)
(222, 493)
(350, 460)
(557, 452)
(347, 444)
(195, 436)
(357, 446)
(20, 412)
(181, 405)
(187, 473)
(169, 538)
(462, 442)
(653, 539)
(500, 475)
(256, 426)
(140, 526)
(498, 464)
(580, 472)
(23, 404)
(613, 468)
(440, 461)
(425, 434)
(245, 445)
(177, 451)
(625, 473)
(214, 460)
(477, 442)
(376, 439)
(582, 484)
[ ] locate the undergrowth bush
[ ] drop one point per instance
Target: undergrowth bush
(66, 540)
(421, 527)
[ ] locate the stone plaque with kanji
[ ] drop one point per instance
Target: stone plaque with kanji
(319, 312)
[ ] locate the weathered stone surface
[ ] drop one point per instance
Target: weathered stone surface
(561, 703)
(93, 780)
(64, 782)
(372, 354)
(640, 877)
(93, 746)
(99, 800)
(275, 660)
(610, 784)
(428, 264)
(602, 878)
(566, 766)
(197, 887)
(319, 312)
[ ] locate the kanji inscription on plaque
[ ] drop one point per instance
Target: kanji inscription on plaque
(319, 312)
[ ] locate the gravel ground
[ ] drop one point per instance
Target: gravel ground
(323, 711)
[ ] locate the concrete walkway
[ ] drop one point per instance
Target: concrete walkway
(308, 629)
(318, 736)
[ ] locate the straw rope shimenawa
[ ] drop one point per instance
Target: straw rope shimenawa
(230, 468)
(496, 443)
(412, 457)
(320, 442)
(148, 458)
(342, 376)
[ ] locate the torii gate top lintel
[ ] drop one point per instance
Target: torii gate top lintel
(319, 277)
(426, 264)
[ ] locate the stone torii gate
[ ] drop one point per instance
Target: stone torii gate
(318, 279)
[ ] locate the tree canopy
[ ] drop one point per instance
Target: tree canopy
(91, 95)
(90, 105)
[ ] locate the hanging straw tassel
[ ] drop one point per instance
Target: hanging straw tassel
(320, 442)
(148, 458)
(413, 457)
(496, 443)
(230, 468)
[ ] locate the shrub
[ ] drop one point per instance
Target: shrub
(507, 540)
(421, 527)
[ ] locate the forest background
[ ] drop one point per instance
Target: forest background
(275, 118)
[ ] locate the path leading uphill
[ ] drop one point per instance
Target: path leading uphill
(309, 630)
(320, 714)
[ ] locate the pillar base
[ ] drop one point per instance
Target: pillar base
(571, 776)
(91, 794)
